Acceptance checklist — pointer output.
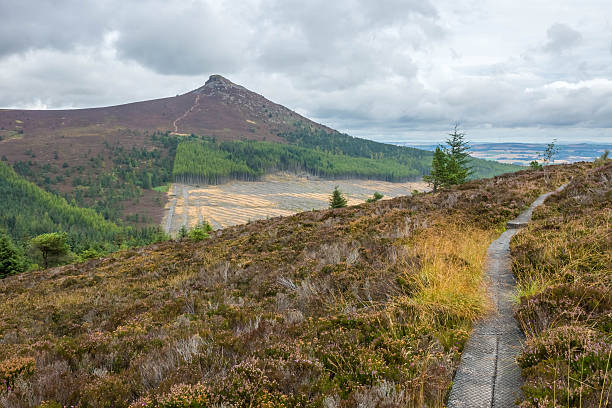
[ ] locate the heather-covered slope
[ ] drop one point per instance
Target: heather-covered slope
(367, 304)
(563, 262)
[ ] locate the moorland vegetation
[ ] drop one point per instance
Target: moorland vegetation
(366, 305)
(563, 263)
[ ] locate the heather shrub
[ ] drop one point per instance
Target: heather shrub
(180, 396)
(15, 368)
(568, 366)
(50, 404)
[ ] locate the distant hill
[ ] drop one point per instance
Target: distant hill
(219, 108)
(110, 158)
(524, 153)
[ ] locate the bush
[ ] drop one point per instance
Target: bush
(601, 160)
(200, 231)
(534, 165)
(14, 368)
(377, 196)
(180, 396)
(572, 358)
(90, 253)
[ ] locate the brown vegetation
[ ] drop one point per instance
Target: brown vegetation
(367, 306)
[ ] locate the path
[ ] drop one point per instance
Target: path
(171, 209)
(488, 376)
(184, 115)
(185, 207)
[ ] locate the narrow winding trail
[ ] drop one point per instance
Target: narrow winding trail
(488, 376)
(184, 115)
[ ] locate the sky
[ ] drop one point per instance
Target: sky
(388, 70)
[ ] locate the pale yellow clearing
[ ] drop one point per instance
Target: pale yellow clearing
(279, 194)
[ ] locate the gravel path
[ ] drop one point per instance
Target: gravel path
(170, 212)
(488, 376)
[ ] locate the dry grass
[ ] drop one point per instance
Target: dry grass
(450, 278)
(363, 306)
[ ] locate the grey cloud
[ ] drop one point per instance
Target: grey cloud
(337, 45)
(62, 24)
(184, 38)
(352, 64)
(561, 37)
(60, 79)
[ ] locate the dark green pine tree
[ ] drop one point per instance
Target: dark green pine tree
(438, 176)
(11, 258)
(458, 157)
(337, 199)
(52, 247)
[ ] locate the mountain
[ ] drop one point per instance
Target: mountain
(220, 108)
(368, 305)
(111, 158)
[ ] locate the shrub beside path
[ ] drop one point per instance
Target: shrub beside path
(488, 375)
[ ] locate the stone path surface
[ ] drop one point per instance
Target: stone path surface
(488, 376)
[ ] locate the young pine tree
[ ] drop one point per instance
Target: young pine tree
(337, 199)
(200, 231)
(458, 157)
(450, 165)
(182, 233)
(11, 258)
(438, 176)
(52, 247)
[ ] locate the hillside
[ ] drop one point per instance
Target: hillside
(26, 210)
(110, 158)
(368, 304)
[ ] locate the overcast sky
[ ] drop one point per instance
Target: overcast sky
(507, 70)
